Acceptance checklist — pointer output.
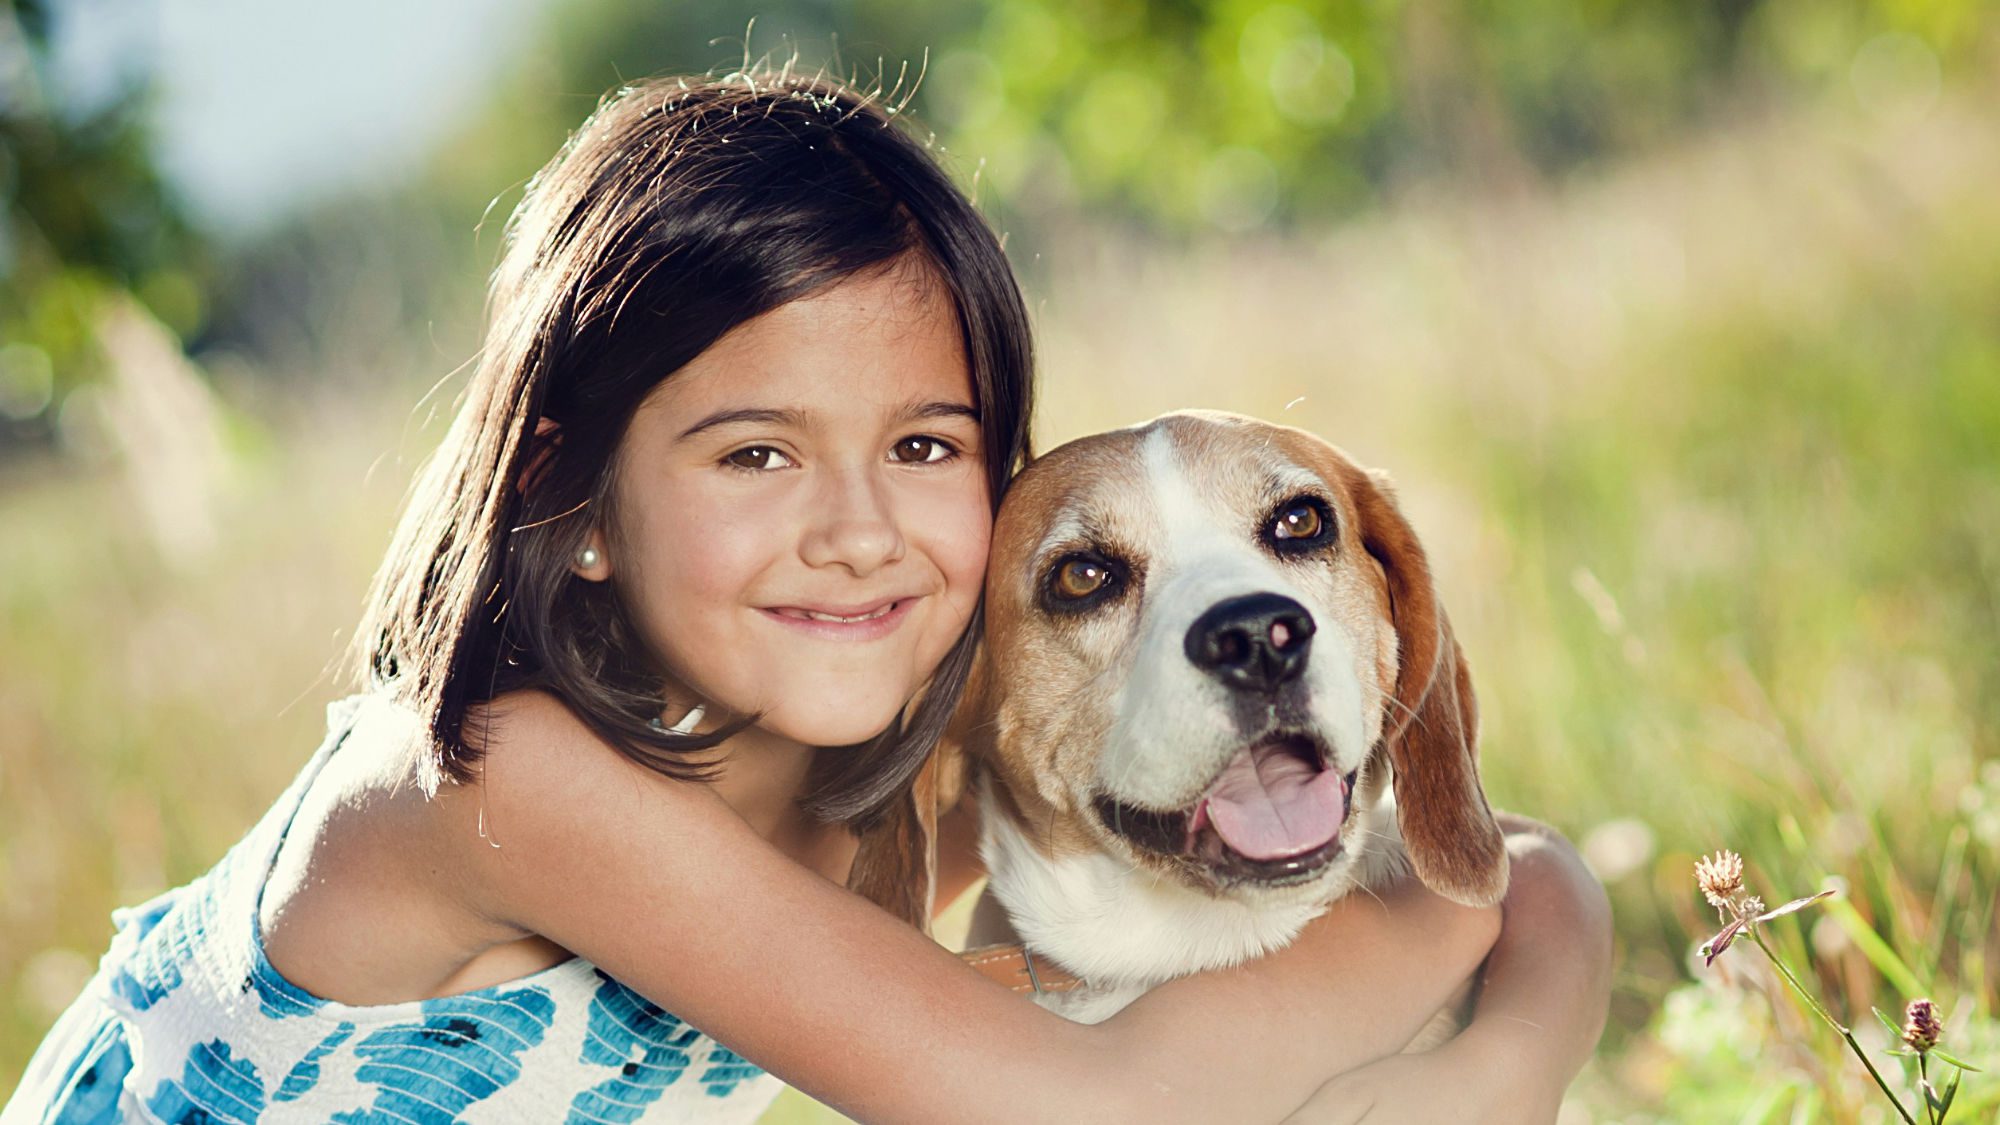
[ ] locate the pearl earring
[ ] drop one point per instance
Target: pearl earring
(587, 558)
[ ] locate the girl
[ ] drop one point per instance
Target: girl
(671, 622)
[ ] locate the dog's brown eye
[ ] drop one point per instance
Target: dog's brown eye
(1080, 578)
(1083, 582)
(1300, 526)
(1300, 521)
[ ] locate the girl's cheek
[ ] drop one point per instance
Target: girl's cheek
(960, 532)
(708, 534)
(689, 555)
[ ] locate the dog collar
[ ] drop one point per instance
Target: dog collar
(1017, 970)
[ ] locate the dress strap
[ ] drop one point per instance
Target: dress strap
(240, 876)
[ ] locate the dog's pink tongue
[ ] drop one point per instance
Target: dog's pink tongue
(1269, 804)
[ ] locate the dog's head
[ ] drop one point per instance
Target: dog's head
(1209, 638)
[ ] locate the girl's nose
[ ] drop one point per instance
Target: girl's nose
(853, 525)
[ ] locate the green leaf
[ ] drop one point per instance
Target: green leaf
(1950, 1092)
(1895, 1029)
(1937, 1054)
(1875, 949)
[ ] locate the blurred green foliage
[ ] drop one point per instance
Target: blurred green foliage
(84, 212)
(1183, 117)
(1231, 113)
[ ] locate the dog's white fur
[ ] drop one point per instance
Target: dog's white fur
(1125, 930)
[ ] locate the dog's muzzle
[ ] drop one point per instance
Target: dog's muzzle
(1273, 812)
(1272, 817)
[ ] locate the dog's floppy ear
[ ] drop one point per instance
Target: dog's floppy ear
(895, 866)
(1432, 731)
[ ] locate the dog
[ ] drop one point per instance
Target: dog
(1216, 692)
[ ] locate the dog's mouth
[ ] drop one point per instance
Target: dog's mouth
(1273, 816)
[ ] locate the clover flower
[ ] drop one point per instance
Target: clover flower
(1720, 878)
(1920, 1026)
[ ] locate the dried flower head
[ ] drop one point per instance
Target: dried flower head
(1920, 1026)
(1721, 880)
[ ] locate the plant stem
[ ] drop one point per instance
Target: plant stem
(1833, 1023)
(1924, 1077)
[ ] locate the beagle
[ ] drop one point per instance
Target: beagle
(1217, 692)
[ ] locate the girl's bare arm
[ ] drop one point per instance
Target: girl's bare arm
(664, 887)
(1548, 979)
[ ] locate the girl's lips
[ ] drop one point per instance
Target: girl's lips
(857, 623)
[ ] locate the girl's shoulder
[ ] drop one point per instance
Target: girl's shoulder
(533, 726)
(372, 851)
(538, 759)
(364, 853)
(367, 989)
(545, 780)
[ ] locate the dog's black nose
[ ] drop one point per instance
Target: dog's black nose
(1256, 642)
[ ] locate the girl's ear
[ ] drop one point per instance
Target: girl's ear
(592, 563)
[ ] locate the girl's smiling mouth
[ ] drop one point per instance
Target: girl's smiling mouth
(856, 623)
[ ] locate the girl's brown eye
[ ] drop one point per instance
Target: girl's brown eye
(758, 458)
(921, 450)
(1080, 578)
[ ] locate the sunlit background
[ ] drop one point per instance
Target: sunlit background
(1677, 322)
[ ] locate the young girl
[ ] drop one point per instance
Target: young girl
(672, 620)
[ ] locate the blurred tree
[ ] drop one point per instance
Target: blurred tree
(84, 217)
(1228, 114)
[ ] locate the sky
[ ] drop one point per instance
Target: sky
(265, 106)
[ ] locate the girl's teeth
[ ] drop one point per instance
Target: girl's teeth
(849, 620)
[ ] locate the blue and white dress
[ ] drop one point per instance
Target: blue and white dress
(187, 1022)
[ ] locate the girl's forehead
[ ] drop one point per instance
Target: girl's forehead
(882, 339)
(885, 309)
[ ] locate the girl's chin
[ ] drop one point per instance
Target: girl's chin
(840, 723)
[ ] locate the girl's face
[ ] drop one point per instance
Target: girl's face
(802, 510)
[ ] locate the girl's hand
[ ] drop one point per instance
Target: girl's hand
(1547, 986)
(1452, 1083)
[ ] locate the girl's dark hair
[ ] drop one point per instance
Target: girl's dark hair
(681, 209)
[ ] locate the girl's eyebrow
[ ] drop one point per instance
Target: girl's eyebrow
(793, 418)
(917, 411)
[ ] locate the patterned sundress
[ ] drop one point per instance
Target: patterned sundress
(187, 1022)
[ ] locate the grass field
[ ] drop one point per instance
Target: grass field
(1706, 451)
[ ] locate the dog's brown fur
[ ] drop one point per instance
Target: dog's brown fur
(1423, 724)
